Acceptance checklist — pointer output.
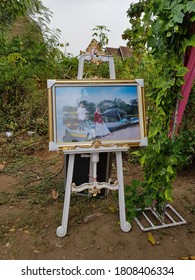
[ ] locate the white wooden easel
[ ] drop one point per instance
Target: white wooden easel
(93, 186)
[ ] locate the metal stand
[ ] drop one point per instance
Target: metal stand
(94, 187)
(150, 219)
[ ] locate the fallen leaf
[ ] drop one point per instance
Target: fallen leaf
(85, 248)
(184, 258)
(110, 249)
(188, 258)
(36, 251)
(112, 209)
(151, 238)
(12, 230)
(54, 194)
(92, 217)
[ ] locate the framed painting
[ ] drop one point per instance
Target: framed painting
(97, 113)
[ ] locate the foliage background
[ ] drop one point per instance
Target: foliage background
(161, 34)
(164, 32)
(29, 55)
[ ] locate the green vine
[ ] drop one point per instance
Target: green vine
(164, 29)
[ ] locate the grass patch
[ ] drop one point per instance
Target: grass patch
(5, 198)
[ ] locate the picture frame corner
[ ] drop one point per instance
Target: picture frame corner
(140, 82)
(53, 146)
(144, 142)
(50, 83)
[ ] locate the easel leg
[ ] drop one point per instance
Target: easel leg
(125, 226)
(62, 230)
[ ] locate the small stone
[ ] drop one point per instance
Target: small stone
(85, 248)
(9, 133)
(157, 242)
(36, 251)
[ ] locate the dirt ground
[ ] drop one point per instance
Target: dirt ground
(30, 214)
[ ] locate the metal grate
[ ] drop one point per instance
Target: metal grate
(150, 219)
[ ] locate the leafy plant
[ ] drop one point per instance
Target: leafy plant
(163, 31)
(134, 199)
(101, 34)
(13, 9)
(28, 58)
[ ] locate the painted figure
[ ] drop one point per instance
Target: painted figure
(81, 113)
(100, 127)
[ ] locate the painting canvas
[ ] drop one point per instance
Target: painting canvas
(112, 112)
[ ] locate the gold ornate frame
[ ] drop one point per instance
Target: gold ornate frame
(98, 143)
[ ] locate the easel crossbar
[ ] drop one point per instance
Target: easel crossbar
(95, 187)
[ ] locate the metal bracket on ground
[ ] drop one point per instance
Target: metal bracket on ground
(150, 219)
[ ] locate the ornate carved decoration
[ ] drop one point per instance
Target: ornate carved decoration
(94, 50)
(95, 187)
(97, 144)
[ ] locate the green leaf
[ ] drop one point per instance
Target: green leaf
(135, 183)
(181, 71)
(168, 179)
(180, 81)
(172, 160)
(135, 153)
(189, 42)
(190, 6)
(178, 17)
(176, 28)
(168, 195)
(192, 19)
(174, 4)
(163, 172)
(170, 23)
(142, 160)
(170, 169)
(148, 201)
(178, 8)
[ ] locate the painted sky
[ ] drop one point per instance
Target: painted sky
(73, 95)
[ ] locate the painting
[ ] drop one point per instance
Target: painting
(84, 112)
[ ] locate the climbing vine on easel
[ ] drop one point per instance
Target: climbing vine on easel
(164, 29)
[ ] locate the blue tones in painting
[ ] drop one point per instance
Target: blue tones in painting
(72, 95)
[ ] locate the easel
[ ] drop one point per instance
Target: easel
(93, 151)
